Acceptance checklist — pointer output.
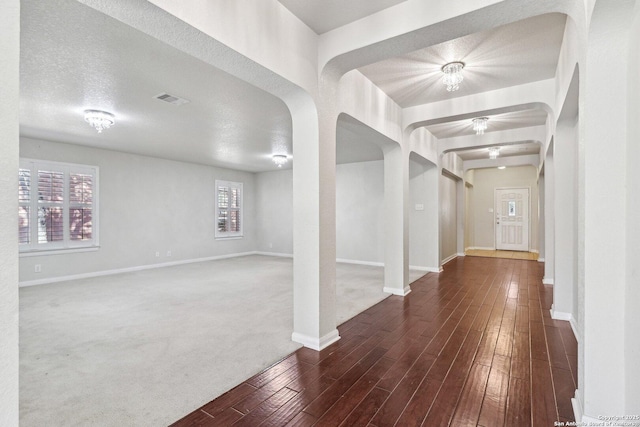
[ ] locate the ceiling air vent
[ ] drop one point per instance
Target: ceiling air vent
(165, 97)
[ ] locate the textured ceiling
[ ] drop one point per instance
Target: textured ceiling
(326, 15)
(228, 123)
(510, 55)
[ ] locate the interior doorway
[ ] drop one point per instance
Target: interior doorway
(512, 219)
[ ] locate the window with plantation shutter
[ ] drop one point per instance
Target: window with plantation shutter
(228, 209)
(57, 206)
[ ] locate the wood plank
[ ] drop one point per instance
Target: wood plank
(470, 404)
(543, 404)
(495, 399)
(266, 408)
(472, 345)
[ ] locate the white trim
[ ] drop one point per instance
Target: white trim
(540, 259)
(128, 269)
(48, 252)
(576, 404)
(316, 343)
(535, 251)
(460, 254)
(449, 258)
(276, 254)
(396, 291)
(427, 269)
(353, 261)
(585, 420)
(547, 281)
(480, 248)
(560, 315)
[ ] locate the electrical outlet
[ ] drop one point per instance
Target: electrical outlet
(38, 268)
(168, 253)
(157, 253)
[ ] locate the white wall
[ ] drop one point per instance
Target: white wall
(565, 160)
(421, 175)
(360, 211)
(9, 112)
(632, 305)
(485, 182)
(274, 211)
(146, 205)
(448, 218)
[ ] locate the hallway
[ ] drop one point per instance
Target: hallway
(474, 345)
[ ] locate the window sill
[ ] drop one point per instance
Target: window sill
(229, 237)
(46, 252)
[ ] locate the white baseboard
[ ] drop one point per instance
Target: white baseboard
(276, 254)
(547, 281)
(585, 420)
(576, 404)
(316, 343)
(396, 291)
(353, 261)
(535, 251)
(560, 315)
(540, 259)
(480, 248)
(460, 254)
(427, 269)
(449, 258)
(128, 269)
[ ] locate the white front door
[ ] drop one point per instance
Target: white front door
(512, 219)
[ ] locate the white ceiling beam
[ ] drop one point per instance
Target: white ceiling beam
(490, 139)
(536, 95)
(510, 161)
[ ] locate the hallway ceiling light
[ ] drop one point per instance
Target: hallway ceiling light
(480, 125)
(99, 119)
(452, 75)
(280, 159)
(494, 152)
(502, 167)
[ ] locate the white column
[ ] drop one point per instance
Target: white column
(549, 221)
(565, 199)
(542, 219)
(604, 132)
(314, 226)
(9, 152)
(460, 215)
(396, 218)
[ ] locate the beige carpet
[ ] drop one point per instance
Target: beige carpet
(146, 348)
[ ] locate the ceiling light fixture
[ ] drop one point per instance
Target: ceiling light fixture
(99, 119)
(280, 159)
(480, 125)
(452, 75)
(494, 152)
(502, 167)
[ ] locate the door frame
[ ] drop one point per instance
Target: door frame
(495, 206)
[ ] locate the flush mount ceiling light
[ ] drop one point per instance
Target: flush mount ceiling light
(502, 167)
(480, 125)
(280, 159)
(99, 119)
(494, 152)
(452, 75)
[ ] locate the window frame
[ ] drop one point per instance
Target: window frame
(229, 234)
(66, 245)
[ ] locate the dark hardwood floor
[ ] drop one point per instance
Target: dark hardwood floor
(472, 346)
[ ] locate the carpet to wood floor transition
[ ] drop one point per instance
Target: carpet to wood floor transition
(472, 346)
